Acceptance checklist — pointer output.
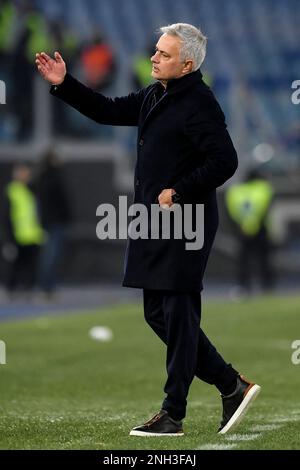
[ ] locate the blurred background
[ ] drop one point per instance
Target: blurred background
(68, 165)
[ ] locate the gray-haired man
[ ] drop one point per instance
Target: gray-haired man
(184, 154)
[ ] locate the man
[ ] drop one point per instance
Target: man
(248, 205)
(23, 231)
(55, 214)
(184, 153)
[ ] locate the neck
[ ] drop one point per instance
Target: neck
(164, 83)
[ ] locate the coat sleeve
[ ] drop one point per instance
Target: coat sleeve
(207, 133)
(123, 111)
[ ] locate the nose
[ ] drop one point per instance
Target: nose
(155, 57)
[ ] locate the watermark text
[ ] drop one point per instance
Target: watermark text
(295, 96)
(295, 358)
(2, 92)
(152, 222)
(2, 352)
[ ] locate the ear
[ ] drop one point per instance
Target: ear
(188, 66)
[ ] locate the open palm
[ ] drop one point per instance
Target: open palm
(52, 70)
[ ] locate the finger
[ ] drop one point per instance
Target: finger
(58, 57)
(41, 59)
(46, 65)
(41, 67)
(38, 56)
(46, 56)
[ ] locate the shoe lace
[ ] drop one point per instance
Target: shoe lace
(153, 419)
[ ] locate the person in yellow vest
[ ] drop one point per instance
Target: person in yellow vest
(23, 230)
(248, 205)
(33, 32)
(8, 19)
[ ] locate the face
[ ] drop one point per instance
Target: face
(22, 174)
(166, 62)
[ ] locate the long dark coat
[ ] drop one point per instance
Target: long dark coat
(182, 144)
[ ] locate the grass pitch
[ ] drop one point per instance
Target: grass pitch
(62, 390)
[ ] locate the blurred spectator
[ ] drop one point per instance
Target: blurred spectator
(95, 64)
(23, 232)
(7, 29)
(55, 214)
(248, 206)
(98, 64)
(34, 35)
(8, 19)
(68, 42)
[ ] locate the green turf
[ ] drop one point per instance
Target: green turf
(62, 390)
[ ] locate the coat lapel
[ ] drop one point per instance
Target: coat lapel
(151, 103)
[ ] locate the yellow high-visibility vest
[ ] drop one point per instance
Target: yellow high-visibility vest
(248, 204)
(7, 21)
(23, 215)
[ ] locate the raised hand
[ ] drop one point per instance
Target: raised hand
(52, 70)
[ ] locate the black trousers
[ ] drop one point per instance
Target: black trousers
(255, 249)
(175, 318)
(22, 272)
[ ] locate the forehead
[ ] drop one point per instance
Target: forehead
(169, 44)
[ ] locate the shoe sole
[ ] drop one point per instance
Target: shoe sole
(142, 433)
(242, 409)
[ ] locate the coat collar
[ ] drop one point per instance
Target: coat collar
(173, 86)
(178, 84)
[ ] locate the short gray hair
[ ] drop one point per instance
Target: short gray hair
(193, 42)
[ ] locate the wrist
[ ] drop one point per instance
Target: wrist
(59, 82)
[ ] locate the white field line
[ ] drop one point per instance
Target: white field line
(284, 419)
(234, 439)
(242, 437)
(265, 427)
(216, 447)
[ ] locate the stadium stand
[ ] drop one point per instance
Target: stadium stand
(253, 57)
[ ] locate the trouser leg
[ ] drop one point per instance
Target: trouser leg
(14, 270)
(175, 318)
(264, 260)
(245, 256)
(182, 319)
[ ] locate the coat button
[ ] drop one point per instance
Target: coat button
(141, 142)
(137, 183)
